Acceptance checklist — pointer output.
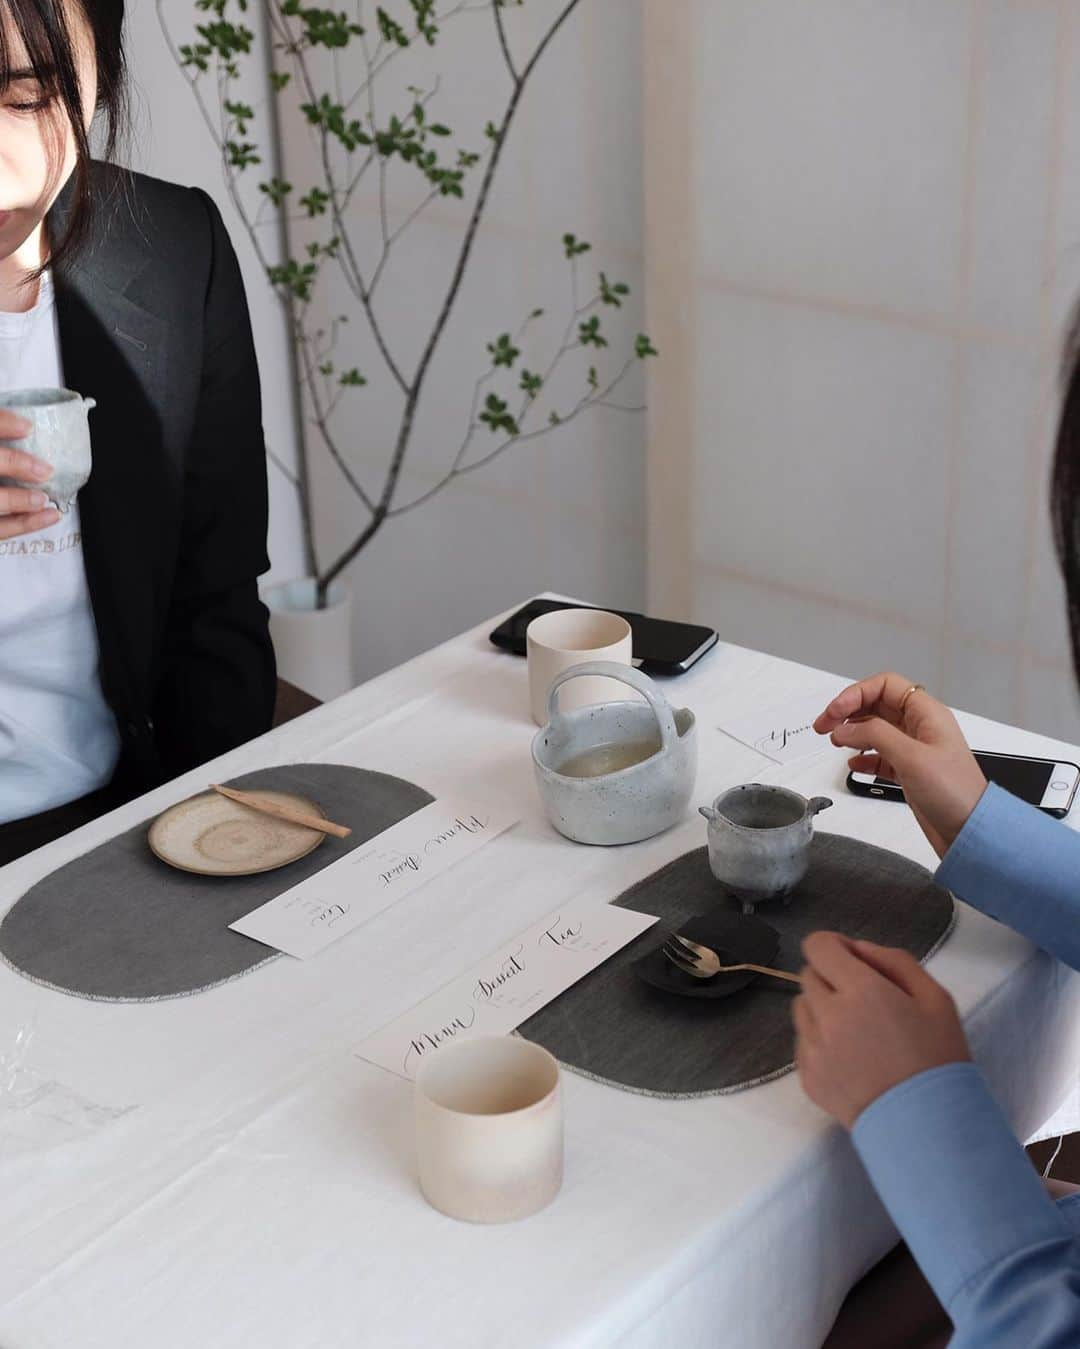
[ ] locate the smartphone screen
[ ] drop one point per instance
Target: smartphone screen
(656, 642)
(1026, 778)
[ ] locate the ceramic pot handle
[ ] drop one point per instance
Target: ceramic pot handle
(625, 674)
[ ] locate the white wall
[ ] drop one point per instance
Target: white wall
(565, 512)
(863, 236)
(169, 141)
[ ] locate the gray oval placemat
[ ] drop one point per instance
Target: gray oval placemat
(119, 925)
(613, 1027)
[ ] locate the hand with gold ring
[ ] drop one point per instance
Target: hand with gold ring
(902, 732)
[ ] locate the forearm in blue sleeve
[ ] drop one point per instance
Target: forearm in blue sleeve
(992, 1244)
(1022, 867)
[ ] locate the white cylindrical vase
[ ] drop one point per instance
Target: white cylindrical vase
(313, 646)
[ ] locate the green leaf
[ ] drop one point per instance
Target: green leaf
(589, 334)
(276, 189)
(530, 383)
(643, 347)
(329, 116)
(226, 40)
(612, 293)
(294, 277)
(594, 378)
(352, 379)
(574, 246)
(322, 27)
(424, 13)
(279, 80)
(389, 29)
(497, 417)
(315, 202)
(240, 154)
(503, 351)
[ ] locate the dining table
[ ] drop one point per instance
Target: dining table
(223, 1171)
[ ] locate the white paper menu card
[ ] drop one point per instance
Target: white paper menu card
(785, 731)
(352, 890)
(500, 992)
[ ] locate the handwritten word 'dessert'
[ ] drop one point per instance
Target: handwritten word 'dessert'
(510, 968)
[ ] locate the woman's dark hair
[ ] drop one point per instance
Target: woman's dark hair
(1065, 489)
(45, 29)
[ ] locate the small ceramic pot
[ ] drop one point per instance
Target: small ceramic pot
(60, 434)
(627, 804)
(759, 840)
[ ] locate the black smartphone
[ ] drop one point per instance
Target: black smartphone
(660, 647)
(1046, 783)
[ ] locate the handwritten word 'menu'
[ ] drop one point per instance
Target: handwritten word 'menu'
(428, 1040)
(471, 825)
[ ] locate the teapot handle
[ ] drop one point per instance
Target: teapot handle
(625, 674)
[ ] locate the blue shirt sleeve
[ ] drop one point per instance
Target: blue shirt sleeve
(1022, 867)
(998, 1253)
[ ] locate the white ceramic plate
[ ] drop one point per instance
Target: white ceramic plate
(213, 836)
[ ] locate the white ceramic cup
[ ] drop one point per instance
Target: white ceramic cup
(567, 637)
(489, 1129)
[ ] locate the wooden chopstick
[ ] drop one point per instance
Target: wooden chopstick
(281, 812)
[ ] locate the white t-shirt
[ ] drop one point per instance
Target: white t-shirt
(58, 738)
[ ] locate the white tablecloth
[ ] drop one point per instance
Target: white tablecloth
(221, 1170)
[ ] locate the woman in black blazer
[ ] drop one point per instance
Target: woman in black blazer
(153, 324)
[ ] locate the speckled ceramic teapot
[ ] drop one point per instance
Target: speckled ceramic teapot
(615, 772)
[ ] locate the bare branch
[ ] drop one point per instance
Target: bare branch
(321, 420)
(496, 9)
(282, 467)
(396, 234)
(620, 407)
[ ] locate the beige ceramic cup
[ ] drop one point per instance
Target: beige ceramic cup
(489, 1129)
(567, 637)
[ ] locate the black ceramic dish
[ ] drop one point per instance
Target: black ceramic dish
(734, 936)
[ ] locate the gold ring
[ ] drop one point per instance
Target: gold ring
(915, 688)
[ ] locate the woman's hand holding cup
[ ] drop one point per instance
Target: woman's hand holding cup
(900, 732)
(23, 510)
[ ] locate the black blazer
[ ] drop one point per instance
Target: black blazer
(154, 325)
